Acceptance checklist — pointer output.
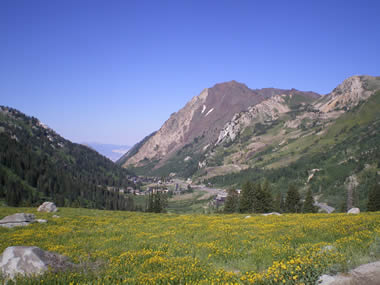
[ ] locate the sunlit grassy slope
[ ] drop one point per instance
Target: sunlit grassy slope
(142, 248)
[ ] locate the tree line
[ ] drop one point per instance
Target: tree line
(258, 198)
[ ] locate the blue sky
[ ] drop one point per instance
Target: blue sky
(114, 71)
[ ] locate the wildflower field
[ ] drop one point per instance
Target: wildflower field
(143, 248)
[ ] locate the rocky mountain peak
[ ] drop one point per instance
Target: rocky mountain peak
(203, 116)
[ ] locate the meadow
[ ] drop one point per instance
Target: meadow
(144, 248)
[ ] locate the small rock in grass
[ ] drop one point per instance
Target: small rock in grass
(353, 211)
(47, 207)
(272, 213)
(328, 248)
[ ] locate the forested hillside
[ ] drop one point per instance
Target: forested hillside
(37, 164)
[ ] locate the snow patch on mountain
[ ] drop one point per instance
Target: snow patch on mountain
(212, 109)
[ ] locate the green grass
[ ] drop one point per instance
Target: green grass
(144, 248)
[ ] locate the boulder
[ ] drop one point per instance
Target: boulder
(272, 213)
(15, 220)
(353, 211)
(368, 274)
(30, 260)
(47, 207)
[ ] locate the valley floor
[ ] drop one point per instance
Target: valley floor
(144, 248)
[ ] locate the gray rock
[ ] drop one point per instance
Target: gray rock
(41, 221)
(15, 220)
(353, 211)
(55, 216)
(47, 207)
(329, 248)
(30, 260)
(367, 274)
(247, 217)
(272, 213)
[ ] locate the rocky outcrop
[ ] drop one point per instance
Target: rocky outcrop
(354, 211)
(367, 274)
(17, 220)
(311, 174)
(347, 95)
(31, 260)
(268, 110)
(48, 207)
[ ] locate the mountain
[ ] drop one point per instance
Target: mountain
(37, 164)
(111, 151)
(195, 127)
(328, 143)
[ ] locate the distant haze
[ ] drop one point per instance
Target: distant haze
(112, 151)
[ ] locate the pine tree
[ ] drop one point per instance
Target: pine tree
(308, 206)
(374, 199)
(293, 200)
(247, 198)
(267, 201)
(232, 201)
(278, 203)
(259, 199)
(157, 202)
(149, 203)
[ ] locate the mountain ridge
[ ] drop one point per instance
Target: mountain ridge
(202, 118)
